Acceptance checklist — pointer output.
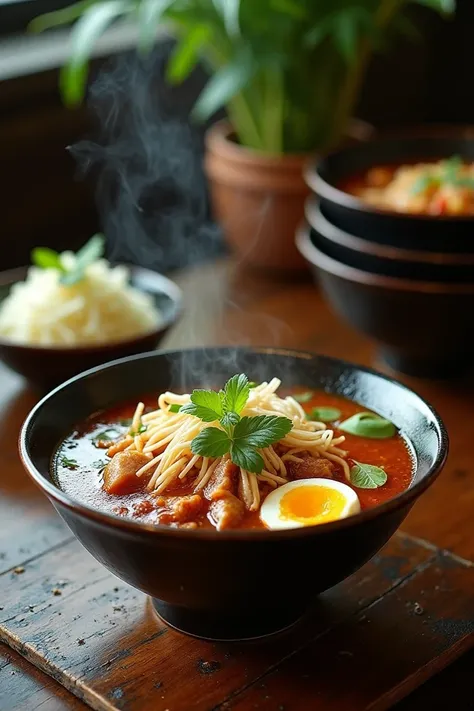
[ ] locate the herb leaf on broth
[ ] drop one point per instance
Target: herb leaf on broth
(108, 435)
(239, 437)
(68, 463)
(303, 397)
(367, 476)
(370, 425)
(324, 414)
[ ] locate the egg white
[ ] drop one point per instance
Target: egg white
(271, 514)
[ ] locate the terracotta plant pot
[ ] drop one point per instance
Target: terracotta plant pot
(257, 198)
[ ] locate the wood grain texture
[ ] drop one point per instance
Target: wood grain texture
(226, 305)
(102, 641)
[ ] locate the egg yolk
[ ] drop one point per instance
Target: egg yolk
(312, 504)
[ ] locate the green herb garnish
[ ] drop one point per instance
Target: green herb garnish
(68, 463)
(174, 408)
(367, 476)
(108, 435)
(368, 424)
(238, 436)
(424, 182)
(141, 428)
(303, 397)
(46, 258)
(126, 422)
(252, 384)
(324, 414)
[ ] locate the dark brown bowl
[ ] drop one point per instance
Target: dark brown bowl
(382, 259)
(232, 584)
(451, 234)
(422, 328)
(46, 367)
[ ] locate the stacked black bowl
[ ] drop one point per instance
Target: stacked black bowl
(404, 279)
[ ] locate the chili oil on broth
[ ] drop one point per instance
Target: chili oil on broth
(79, 461)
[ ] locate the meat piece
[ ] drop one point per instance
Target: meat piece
(310, 467)
(227, 512)
(119, 473)
(223, 480)
(183, 509)
(142, 508)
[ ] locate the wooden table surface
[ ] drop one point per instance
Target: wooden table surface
(226, 305)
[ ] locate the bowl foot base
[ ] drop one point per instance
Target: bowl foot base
(211, 626)
(420, 367)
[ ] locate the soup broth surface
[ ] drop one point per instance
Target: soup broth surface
(80, 460)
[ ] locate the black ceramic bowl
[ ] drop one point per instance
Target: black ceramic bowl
(46, 366)
(420, 232)
(385, 260)
(422, 328)
(230, 584)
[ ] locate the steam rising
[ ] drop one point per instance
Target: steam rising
(146, 158)
(152, 199)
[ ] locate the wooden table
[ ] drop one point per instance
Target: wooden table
(226, 305)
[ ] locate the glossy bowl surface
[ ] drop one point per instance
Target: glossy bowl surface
(47, 366)
(421, 327)
(383, 259)
(230, 584)
(451, 234)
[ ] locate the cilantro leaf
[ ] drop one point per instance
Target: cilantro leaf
(211, 442)
(87, 255)
(229, 420)
(261, 431)
(46, 258)
(246, 457)
(236, 393)
(205, 404)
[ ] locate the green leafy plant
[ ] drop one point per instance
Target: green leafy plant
(288, 71)
(370, 425)
(238, 436)
(47, 258)
(367, 476)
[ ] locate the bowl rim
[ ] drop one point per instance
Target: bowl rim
(126, 525)
(326, 190)
(315, 256)
(319, 222)
(165, 285)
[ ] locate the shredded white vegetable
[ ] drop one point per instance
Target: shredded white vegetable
(100, 308)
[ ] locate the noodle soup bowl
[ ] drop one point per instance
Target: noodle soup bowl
(45, 366)
(232, 584)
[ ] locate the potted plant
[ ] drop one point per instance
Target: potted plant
(288, 73)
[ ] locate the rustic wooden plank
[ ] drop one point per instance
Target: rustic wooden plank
(101, 639)
(382, 653)
(36, 690)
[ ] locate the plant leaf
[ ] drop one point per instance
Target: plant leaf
(174, 408)
(186, 53)
(229, 9)
(303, 397)
(229, 420)
(211, 442)
(46, 258)
(64, 16)
(150, 12)
(84, 35)
(246, 457)
(236, 393)
(87, 255)
(367, 476)
(368, 424)
(261, 431)
(324, 414)
(223, 86)
(205, 404)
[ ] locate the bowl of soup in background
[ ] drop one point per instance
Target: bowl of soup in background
(46, 366)
(383, 259)
(420, 327)
(331, 178)
(230, 584)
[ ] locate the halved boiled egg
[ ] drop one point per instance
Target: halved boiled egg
(308, 502)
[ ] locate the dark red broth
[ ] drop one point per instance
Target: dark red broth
(78, 463)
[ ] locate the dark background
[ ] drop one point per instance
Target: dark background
(44, 201)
